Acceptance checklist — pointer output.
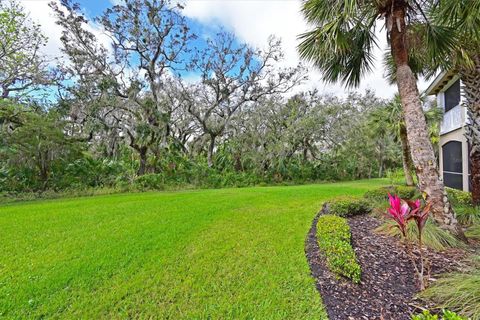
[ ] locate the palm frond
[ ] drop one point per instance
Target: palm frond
(341, 46)
(463, 15)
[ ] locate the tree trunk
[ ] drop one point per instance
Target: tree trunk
(471, 80)
(380, 169)
(142, 152)
(211, 147)
(422, 152)
(406, 159)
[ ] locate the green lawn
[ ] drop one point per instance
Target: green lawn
(206, 254)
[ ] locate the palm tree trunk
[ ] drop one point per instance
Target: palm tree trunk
(407, 160)
(418, 139)
(471, 80)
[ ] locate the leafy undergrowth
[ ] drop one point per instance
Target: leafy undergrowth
(334, 240)
(459, 197)
(458, 291)
(219, 254)
(433, 236)
(467, 215)
(445, 315)
(473, 232)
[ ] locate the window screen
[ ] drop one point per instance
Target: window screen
(453, 180)
(452, 96)
(452, 164)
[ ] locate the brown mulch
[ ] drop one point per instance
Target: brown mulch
(387, 288)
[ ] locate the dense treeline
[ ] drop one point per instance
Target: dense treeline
(124, 114)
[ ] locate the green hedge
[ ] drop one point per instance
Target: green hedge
(403, 192)
(348, 206)
(334, 240)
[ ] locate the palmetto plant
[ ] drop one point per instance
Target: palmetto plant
(341, 45)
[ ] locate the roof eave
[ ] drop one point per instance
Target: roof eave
(440, 81)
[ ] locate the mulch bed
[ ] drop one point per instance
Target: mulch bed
(387, 288)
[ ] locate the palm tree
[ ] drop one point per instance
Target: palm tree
(341, 46)
(391, 118)
(397, 123)
(462, 20)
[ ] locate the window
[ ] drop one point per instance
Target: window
(453, 164)
(452, 96)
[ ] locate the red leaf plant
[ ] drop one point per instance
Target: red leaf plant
(402, 212)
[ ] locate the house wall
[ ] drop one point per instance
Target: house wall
(452, 128)
(456, 135)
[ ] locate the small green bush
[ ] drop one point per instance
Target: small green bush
(406, 192)
(458, 291)
(348, 206)
(380, 194)
(433, 236)
(446, 315)
(334, 239)
(459, 197)
(150, 182)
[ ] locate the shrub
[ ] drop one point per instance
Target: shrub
(406, 192)
(381, 194)
(446, 315)
(459, 197)
(334, 239)
(149, 182)
(348, 206)
(433, 236)
(458, 291)
(467, 215)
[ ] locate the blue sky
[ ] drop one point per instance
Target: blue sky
(252, 21)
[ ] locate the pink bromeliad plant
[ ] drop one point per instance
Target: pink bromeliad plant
(402, 212)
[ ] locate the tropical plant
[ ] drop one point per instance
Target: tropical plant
(433, 236)
(341, 46)
(402, 211)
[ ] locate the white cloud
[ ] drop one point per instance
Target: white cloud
(40, 12)
(254, 20)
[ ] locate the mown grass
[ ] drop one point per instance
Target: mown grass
(231, 253)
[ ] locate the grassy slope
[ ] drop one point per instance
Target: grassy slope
(231, 253)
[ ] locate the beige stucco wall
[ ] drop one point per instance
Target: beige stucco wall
(457, 135)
